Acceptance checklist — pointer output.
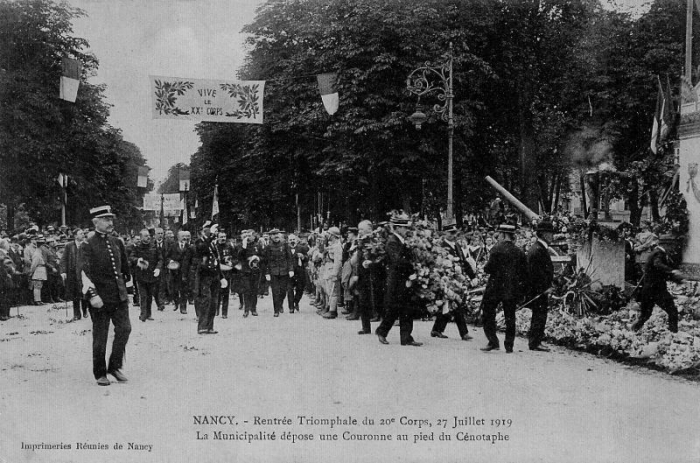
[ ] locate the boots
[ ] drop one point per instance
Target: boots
(355, 312)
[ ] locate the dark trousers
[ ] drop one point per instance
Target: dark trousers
(222, 303)
(489, 307)
(539, 320)
(179, 292)
(458, 315)
(147, 291)
(80, 308)
(159, 291)
(661, 297)
(207, 299)
(250, 284)
(364, 297)
(295, 289)
(278, 284)
(404, 315)
(119, 315)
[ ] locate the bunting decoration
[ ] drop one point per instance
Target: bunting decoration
(70, 79)
(329, 94)
(142, 181)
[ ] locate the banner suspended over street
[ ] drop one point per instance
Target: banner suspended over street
(170, 202)
(207, 100)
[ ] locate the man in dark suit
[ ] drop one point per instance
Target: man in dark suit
(658, 269)
(540, 271)
(249, 256)
(368, 261)
(397, 300)
(210, 279)
(70, 272)
(449, 242)
(147, 261)
(105, 271)
(300, 257)
(630, 253)
(175, 264)
(507, 269)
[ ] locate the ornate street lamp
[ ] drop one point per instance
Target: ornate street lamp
(427, 79)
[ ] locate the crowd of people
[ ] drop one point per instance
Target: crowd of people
(360, 272)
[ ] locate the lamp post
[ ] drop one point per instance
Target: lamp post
(427, 79)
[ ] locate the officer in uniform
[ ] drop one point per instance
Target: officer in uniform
(507, 269)
(450, 243)
(540, 271)
(658, 269)
(148, 263)
(210, 280)
(279, 268)
(104, 272)
(226, 256)
(398, 295)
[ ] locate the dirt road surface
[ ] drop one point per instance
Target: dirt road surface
(305, 376)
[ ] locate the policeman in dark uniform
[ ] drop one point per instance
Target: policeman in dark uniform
(398, 296)
(540, 271)
(210, 280)
(441, 319)
(507, 269)
(226, 255)
(300, 255)
(657, 270)
(105, 270)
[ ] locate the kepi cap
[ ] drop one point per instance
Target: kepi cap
(101, 211)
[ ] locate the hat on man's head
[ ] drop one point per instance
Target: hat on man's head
(101, 211)
(544, 226)
(40, 238)
(505, 228)
(450, 228)
(275, 231)
(401, 220)
(335, 231)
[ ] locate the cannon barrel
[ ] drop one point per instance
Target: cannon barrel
(513, 200)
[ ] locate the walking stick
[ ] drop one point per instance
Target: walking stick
(536, 297)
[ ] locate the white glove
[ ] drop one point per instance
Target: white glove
(224, 283)
(268, 278)
(63, 275)
(366, 263)
(156, 272)
(291, 274)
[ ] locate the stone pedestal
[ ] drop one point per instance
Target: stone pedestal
(689, 181)
(604, 262)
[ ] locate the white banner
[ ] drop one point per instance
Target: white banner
(171, 202)
(207, 100)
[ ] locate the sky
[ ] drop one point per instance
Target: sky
(133, 39)
(198, 39)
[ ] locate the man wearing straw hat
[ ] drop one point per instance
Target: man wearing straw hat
(105, 271)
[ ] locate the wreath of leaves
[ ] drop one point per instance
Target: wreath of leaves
(166, 96)
(248, 100)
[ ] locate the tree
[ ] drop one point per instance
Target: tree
(42, 135)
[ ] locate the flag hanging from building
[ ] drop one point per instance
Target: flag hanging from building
(329, 94)
(215, 202)
(185, 214)
(70, 79)
(142, 181)
(184, 180)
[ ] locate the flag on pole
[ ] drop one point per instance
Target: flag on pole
(142, 181)
(656, 125)
(215, 202)
(185, 214)
(70, 79)
(329, 94)
(184, 180)
(63, 180)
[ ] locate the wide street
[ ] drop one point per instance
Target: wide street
(259, 375)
